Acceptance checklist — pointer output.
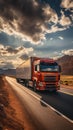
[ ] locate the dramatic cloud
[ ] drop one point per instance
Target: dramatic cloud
(26, 18)
(12, 57)
(51, 39)
(7, 65)
(60, 37)
(10, 63)
(31, 19)
(67, 4)
(10, 51)
(34, 28)
(64, 20)
(67, 52)
(55, 28)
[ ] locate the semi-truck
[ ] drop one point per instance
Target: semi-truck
(39, 73)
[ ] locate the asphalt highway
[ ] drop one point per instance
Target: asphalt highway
(48, 111)
(61, 101)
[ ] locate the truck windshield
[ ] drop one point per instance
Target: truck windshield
(49, 67)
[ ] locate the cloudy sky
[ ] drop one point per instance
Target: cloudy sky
(35, 28)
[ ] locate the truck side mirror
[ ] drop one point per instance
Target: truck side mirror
(59, 68)
(37, 68)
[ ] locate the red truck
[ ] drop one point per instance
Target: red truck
(39, 73)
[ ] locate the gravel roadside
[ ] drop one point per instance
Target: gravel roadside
(12, 115)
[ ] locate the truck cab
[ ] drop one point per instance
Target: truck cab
(46, 75)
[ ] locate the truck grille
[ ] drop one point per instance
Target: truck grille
(50, 86)
(49, 78)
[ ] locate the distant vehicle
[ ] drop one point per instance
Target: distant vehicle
(39, 73)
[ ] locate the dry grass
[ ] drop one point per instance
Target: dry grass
(67, 80)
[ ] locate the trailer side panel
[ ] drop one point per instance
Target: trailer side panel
(24, 70)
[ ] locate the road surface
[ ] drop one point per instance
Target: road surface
(48, 111)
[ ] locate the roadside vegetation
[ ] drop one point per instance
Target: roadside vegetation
(66, 80)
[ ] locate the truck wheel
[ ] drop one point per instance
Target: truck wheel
(27, 83)
(17, 80)
(34, 86)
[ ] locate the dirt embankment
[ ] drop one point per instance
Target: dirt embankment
(13, 116)
(8, 118)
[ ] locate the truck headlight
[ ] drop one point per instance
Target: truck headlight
(40, 84)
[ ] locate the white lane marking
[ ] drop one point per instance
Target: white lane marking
(55, 110)
(66, 92)
(21, 86)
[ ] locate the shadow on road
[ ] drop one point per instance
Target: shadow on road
(59, 101)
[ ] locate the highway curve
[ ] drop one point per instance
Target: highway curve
(48, 111)
(60, 101)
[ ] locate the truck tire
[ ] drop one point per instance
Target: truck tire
(27, 83)
(34, 86)
(17, 80)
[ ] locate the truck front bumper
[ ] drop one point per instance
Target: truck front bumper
(48, 86)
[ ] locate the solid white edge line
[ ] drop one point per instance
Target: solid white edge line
(71, 121)
(65, 92)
